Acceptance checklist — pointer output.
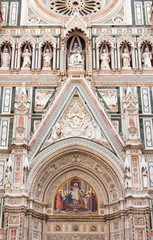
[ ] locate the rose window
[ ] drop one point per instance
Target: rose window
(68, 7)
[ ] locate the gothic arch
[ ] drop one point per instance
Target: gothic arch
(47, 38)
(145, 38)
(49, 168)
(26, 38)
(76, 23)
(78, 33)
(104, 38)
(125, 38)
(7, 38)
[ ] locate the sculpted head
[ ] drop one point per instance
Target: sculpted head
(47, 50)
(6, 50)
(75, 45)
(146, 49)
(27, 50)
(125, 50)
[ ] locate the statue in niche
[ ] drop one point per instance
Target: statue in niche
(125, 59)
(5, 56)
(76, 56)
(47, 56)
(105, 60)
(127, 178)
(26, 59)
(144, 172)
(146, 58)
(145, 177)
(8, 178)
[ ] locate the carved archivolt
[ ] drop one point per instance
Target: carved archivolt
(99, 176)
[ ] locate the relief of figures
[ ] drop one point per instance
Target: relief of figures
(41, 98)
(76, 122)
(75, 197)
(110, 98)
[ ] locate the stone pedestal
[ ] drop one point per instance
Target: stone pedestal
(126, 68)
(4, 68)
(76, 68)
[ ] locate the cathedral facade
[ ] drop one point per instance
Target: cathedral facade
(76, 120)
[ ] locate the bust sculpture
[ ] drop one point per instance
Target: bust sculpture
(125, 60)
(76, 56)
(105, 60)
(5, 57)
(26, 59)
(146, 59)
(47, 56)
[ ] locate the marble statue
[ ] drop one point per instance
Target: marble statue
(105, 60)
(47, 56)
(125, 60)
(145, 177)
(8, 178)
(146, 59)
(127, 174)
(127, 178)
(144, 172)
(76, 56)
(26, 59)
(5, 56)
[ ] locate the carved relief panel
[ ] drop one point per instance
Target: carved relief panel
(41, 98)
(110, 98)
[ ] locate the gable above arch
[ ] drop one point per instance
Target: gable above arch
(76, 23)
(95, 110)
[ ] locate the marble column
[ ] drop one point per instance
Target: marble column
(97, 52)
(33, 58)
(13, 58)
(133, 58)
(54, 58)
(39, 58)
(139, 58)
(112, 59)
(118, 58)
(19, 58)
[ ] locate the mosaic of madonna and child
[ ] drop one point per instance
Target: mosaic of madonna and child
(75, 197)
